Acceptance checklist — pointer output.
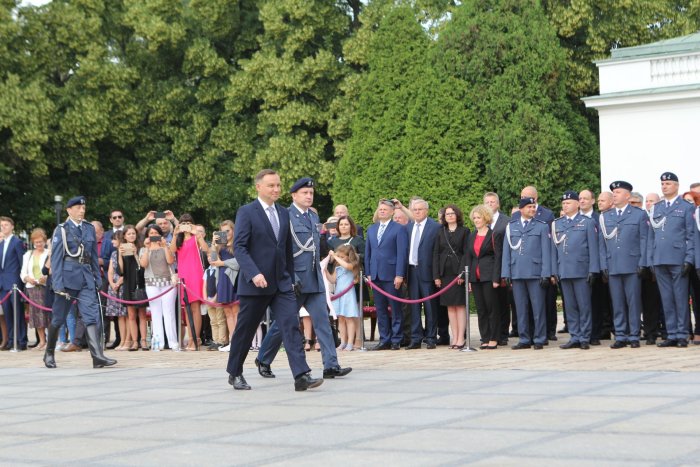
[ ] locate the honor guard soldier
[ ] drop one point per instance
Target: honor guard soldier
(623, 260)
(75, 275)
(671, 254)
(576, 263)
(309, 285)
(527, 264)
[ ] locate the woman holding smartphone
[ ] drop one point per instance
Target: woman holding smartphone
(187, 246)
(133, 279)
(155, 258)
(115, 309)
(222, 255)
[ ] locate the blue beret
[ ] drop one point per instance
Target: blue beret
(75, 201)
(305, 182)
(526, 201)
(669, 176)
(621, 184)
(569, 195)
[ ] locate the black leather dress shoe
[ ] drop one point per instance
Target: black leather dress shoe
(538, 346)
(682, 343)
(503, 342)
(651, 341)
(396, 346)
(264, 369)
(330, 373)
(585, 346)
(595, 342)
(618, 345)
(238, 382)
(634, 344)
(381, 346)
(513, 334)
(443, 340)
(413, 346)
(570, 345)
(552, 337)
(520, 346)
(430, 345)
(668, 343)
(305, 381)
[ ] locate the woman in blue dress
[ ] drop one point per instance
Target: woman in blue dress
(345, 274)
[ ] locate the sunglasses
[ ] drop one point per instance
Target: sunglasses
(117, 217)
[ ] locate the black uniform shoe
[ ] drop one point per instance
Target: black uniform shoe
(382, 346)
(305, 381)
(585, 346)
(396, 346)
(430, 345)
(538, 346)
(552, 337)
(238, 382)
(595, 342)
(513, 334)
(570, 345)
(668, 343)
(330, 373)
(634, 344)
(651, 341)
(618, 345)
(563, 330)
(682, 343)
(520, 346)
(264, 369)
(413, 346)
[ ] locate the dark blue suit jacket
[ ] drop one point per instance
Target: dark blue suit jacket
(10, 274)
(258, 252)
(385, 261)
(425, 248)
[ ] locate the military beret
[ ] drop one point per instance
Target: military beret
(621, 184)
(526, 201)
(305, 182)
(669, 176)
(75, 201)
(569, 195)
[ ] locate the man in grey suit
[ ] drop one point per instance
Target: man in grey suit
(311, 292)
(498, 226)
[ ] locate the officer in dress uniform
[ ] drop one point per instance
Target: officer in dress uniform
(623, 260)
(527, 264)
(75, 275)
(309, 286)
(576, 263)
(671, 253)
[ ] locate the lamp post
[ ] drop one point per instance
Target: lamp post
(58, 207)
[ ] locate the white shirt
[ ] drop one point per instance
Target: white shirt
(523, 220)
(494, 219)
(265, 206)
(670, 200)
(587, 214)
(6, 245)
(77, 224)
(619, 211)
(418, 225)
(301, 210)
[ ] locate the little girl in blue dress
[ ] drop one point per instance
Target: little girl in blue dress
(346, 273)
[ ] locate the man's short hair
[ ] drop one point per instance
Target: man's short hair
(422, 201)
(259, 176)
(694, 185)
(491, 194)
(7, 219)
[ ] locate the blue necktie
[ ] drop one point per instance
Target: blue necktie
(382, 227)
(273, 221)
(525, 224)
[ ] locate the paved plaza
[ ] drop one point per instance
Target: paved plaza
(421, 407)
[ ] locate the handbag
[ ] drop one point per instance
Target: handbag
(139, 295)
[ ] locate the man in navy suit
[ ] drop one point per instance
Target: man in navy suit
(75, 275)
(309, 278)
(527, 263)
(576, 263)
(671, 252)
(263, 246)
(499, 222)
(386, 249)
(421, 233)
(11, 251)
(622, 243)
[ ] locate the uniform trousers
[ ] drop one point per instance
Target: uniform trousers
(87, 301)
(488, 310)
(253, 307)
(577, 294)
(673, 287)
(625, 291)
(601, 304)
(524, 291)
(315, 304)
(651, 308)
(389, 326)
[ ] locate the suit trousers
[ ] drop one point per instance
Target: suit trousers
(577, 294)
(625, 290)
(315, 304)
(389, 327)
(504, 310)
(673, 288)
(253, 307)
(419, 289)
(551, 305)
(651, 308)
(10, 312)
(488, 310)
(601, 310)
(87, 302)
(524, 291)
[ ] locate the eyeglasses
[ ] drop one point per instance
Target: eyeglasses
(117, 217)
(450, 214)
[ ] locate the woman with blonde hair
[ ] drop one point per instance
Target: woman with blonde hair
(32, 263)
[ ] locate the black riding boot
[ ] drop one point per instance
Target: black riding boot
(95, 345)
(51, 338)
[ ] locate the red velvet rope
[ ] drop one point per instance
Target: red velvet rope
(41, 307)
(135, 302)
(196, 298)
(420, 300)
(4, 299)
(340, 294)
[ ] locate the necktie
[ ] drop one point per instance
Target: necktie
(619, 212)
(525, 224)
(306, 219)
(273, 221)
(2, 253)
(382, 227)
(668, 204)
(414, 245)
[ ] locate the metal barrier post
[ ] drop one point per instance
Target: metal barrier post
(178, 317)
(468, 347)
(362, 313)
(15, 313)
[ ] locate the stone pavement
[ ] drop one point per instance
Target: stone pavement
(423, 407)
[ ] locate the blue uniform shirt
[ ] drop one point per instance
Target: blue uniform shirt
(623, 240)
(671, 237)
(526, 251)
(305, 237)
(68, 273)
(575, 247)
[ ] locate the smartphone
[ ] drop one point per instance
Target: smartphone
(155, 238)
(129, 250)
(160, 215)
(223, 238)
(185, 228)
(331, 225)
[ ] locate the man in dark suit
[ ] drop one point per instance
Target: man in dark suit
(263, 246)
(309, 278)
(385, 264)
(11, 251)
(498, 226)
(421, 233)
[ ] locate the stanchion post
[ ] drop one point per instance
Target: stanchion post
(15, 313)
(178, 315)
(362, 312)
(468, 347)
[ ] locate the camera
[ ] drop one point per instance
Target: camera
(332, 225)
(155, 238)
(223, 237)
(160, 215)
